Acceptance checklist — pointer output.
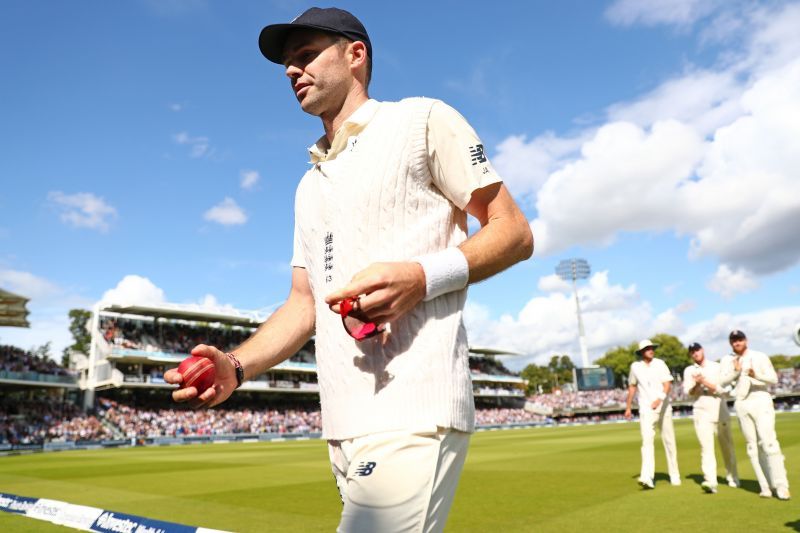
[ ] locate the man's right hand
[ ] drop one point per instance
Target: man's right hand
(655, 405)
(628, 414)
(224, 383)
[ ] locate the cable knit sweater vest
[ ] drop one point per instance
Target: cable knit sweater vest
(376, 202)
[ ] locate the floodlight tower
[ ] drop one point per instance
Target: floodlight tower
(573, 270)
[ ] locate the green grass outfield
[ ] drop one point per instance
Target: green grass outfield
(549, 479)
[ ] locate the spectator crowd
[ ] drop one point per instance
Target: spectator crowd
(169, 337)
(580, 400)
(13, 359)
(566, 401)
(487, 365)
(506, 417)
(148, 423)
(36, 420)
(33, 418)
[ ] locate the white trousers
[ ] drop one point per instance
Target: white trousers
(649, 420)
(398, 481)
(706, 431)
(757, 419)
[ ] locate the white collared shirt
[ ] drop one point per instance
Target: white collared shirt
(371, 196)
(744, 383)
(706, 404)
(456, 163)
(649, 380)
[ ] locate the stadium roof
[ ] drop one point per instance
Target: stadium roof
(12, 310)
(192, 312)
(482, 350)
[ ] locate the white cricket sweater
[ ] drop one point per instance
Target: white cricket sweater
(376, 202)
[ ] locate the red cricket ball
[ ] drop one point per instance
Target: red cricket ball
(197, 372)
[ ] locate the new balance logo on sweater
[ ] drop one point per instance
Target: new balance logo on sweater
(477, 154)
(365, 468)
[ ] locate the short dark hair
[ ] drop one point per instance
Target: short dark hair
(341, 41)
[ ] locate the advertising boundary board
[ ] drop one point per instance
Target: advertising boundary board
(90, 518)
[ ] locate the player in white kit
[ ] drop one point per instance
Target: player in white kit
(752, 372)
(380, 240)
(651, 378)
(701, 381)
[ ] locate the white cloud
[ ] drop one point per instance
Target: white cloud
(553, 282)
(612, 315)
(727, 282)
(47, 325)
(768, 330)
(198, 146)
(249, 179)
(49, 306)
(710, 154)
(746, 204)
(599, 295)
(176, 107)
(668, 321)
(681, 13)
(525, 166)
(134, 289)
(83, 210)
(227, 213)
(701, 98)
(27, 284)
(210, 303)
(622, 182)
(616, 315)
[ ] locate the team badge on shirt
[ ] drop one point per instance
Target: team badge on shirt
(328, 256)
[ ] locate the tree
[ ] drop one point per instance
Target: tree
(668, 347)
(672, 351)
(78, 319)
(785, 361)
(545, 378)
(561, 367)
(619, 360)
(539, 379)
(43, 351)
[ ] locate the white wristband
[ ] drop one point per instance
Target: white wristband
(445, 271)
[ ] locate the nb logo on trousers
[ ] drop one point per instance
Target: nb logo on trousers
(365, 468)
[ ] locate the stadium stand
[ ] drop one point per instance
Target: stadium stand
(41, 419)
(124, 398)
(508, 417)
(141, 423)
(19, 361)
(177, 337)
(27, 418)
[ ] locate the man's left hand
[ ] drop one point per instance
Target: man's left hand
(388, 290)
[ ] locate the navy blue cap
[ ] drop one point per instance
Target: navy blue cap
(331, 20)
(694, 347)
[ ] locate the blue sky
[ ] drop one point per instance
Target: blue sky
(150, 152)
